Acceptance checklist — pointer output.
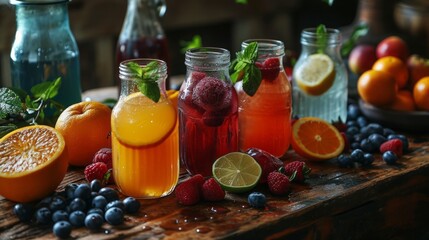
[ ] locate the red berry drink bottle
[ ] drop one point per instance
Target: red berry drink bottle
(208, 110)
(265, 117)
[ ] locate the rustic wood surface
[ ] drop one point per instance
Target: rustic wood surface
(380, 202)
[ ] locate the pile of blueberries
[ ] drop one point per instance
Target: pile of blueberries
(365, 139)
(79, 205)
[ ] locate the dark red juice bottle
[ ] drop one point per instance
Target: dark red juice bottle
(208, 110)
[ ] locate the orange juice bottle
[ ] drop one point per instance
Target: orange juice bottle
(145, 148)
(264, 119)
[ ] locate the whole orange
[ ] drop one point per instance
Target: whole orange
(394, 66)
(377, 87)
(421, 94)
(404, 101)
(85, 127)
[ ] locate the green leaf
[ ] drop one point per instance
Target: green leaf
(46, 90)
(241, 1)
(322, 38)
(150, 90)
(10, 103)
(196, 42)
(359, 31)
(147, 77)
(251, 80)
(250, 53)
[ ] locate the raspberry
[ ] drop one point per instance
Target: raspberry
(212, 191)
(104, 155)
(189, 192)
(297, 168)
(278, 183)
(267, 161)
(197, 76)
(270, 68)
(95, 171)
(212, 94)
(394, 145)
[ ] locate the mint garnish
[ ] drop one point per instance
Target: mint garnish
(322, 38)
(358, 31)
(147, 77)
(244, 68)
(196, 42)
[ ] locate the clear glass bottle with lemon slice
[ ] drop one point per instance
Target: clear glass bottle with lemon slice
(320, 76)
(145, 147)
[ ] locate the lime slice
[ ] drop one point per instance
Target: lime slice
(316, 74)
(236, 172)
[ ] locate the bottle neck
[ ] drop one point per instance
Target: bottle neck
(42, 16)
(329, 43)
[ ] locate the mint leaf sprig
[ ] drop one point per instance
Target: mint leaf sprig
(146, 79)
(358, 31)
(244, 68)
(17, 109)
(322, 38)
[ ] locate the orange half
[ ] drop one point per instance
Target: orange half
(31, 163)
(315, 139)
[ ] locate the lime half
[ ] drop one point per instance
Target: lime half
(316, 74)
(236, 172)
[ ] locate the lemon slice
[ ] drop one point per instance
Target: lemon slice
(316, 75)
(236, 172)
(138, 121)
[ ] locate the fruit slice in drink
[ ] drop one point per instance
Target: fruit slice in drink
(31, 163)
(237, 172)
(316, 75)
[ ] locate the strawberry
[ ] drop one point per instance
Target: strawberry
(189, 192)
(267, 161)
(278, 183)
(95, 171)
(212, 191)
(104, 155)
(297, 170)
(394, 145)
(270, 68)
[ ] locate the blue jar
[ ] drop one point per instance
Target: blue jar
(45, 48)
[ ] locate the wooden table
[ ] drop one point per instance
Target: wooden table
(380, 202)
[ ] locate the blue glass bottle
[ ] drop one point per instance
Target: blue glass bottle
(45, 48)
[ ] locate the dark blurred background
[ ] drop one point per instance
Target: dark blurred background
(223, 23)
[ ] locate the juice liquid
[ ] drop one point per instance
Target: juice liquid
(206, 135)
(145, 156)
(264, 118)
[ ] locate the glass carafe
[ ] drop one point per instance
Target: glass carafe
(45, 48)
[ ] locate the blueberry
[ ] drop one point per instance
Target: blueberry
(60, 215)
(62, 229)
(83, 191)
(390, 157)
(368, 146)
(132, 205)
(355, 145)
(96, 210)
(99, 202)
(387, 132)
(77, 204)
(344, 161)
(357, 155)
(96, 185)
(23, 211)
(45, 202)
(358, 137)
(403, 138)
(115, 203)
(352, 124)
(77, 218)
(109, 193)
(352, 130)
(43, 216)
(353, 112)
(361, 121)
(368, 159)
(94, 221)
(114, 216)
(377, 139)
(372, 128)
(257, 200)
(69, 189)
(57, 203)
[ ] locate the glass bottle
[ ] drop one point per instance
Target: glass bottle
(45, 48)
(265, 118)
(208, 110)
(142, 35)
(329, 103)
(145, 150)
